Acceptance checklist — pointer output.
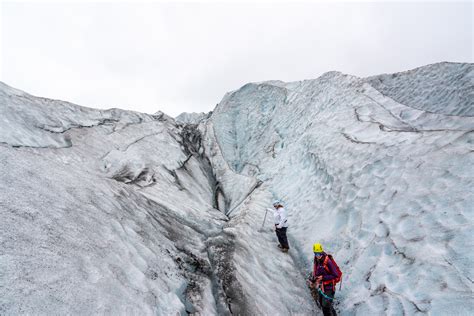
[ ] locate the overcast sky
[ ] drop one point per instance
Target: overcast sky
(185, 57)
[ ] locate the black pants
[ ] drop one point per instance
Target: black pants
(326, 303)
(282, 239)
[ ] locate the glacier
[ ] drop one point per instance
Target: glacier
(120, 212)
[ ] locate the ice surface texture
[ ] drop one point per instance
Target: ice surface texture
(445, 88)
(118, 212)
(102, 212)
(384, 186)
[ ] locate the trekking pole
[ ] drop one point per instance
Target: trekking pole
(266, 211)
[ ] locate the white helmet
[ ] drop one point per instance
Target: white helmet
(276, 203)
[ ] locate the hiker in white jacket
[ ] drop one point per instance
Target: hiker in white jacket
(281, 225)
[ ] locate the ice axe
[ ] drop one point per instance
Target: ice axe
(264, 218)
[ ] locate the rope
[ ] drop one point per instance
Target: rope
(327, 297)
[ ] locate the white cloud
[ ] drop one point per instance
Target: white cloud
(184, 57)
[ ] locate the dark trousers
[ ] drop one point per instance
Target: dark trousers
(326, 303)
(282, 239)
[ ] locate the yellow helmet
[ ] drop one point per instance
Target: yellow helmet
(318, 247)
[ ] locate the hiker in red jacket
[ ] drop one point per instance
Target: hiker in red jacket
(323, 280)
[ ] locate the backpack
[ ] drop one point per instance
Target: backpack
(325, 265)
(338, 270)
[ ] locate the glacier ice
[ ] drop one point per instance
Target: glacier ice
(119, 212)
(385, 186)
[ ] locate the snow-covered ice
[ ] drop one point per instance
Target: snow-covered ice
(119, 212)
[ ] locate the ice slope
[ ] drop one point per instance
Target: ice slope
(380, 170)
(102, 212)
(117, 212)
(445, 88)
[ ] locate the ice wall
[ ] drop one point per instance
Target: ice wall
(385, 186)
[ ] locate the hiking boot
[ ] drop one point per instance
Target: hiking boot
(284, 249)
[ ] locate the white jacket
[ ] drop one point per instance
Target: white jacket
(281, 218)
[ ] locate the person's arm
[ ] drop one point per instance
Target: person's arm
(332, 272)
(283, 218)
(276, 217)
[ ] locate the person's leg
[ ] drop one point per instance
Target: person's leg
(326, 303)
(278, 233)
(284, 238)
(320, 299)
